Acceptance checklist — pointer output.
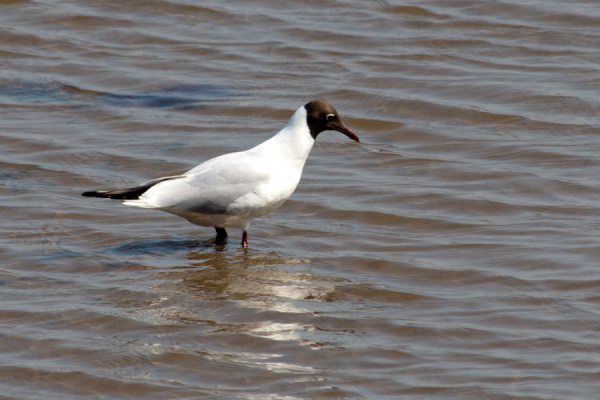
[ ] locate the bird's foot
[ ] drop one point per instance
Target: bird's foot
(221, 235)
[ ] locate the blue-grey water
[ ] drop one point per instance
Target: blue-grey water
(453, 254)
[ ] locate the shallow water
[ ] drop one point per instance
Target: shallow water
(452, 254)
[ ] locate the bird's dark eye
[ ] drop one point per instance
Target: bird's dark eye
(330, 117)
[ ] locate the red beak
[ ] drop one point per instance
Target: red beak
(346, 131)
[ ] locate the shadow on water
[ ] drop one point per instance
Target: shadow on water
(162, 247)
(22, 92)
(191, 271)
(206, 270)
(136, 251)
(250, 278)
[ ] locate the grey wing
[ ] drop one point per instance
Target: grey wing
(211, 187)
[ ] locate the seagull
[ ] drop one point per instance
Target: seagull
(233, 189)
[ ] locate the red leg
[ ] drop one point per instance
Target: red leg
(245, 240)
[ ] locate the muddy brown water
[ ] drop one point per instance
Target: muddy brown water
(453, 254)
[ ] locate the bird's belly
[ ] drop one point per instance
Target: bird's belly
(218, 220)
(238, 214)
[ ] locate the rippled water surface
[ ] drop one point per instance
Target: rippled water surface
(453, 254)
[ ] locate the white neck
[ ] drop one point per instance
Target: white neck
(294, 141)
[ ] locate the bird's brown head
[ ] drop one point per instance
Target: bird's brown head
(322, 116)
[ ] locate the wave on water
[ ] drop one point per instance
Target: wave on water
(179, 96)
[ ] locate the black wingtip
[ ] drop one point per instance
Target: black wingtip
(129, 193)
(94, 194)
(118, 194)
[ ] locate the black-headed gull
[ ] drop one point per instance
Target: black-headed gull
(233, 189)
